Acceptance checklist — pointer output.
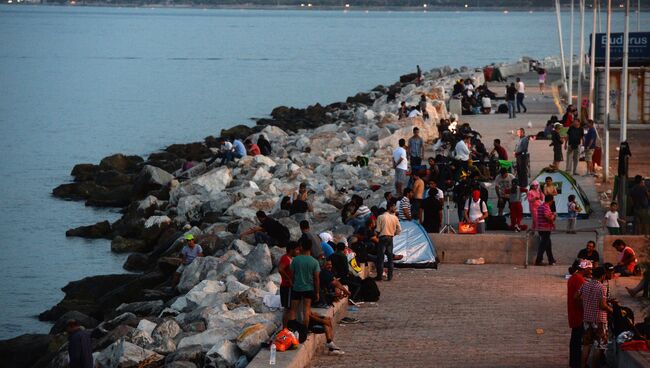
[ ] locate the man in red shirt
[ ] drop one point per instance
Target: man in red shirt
(627, 259)
(287, 279)
(499, 150)
(574, 311)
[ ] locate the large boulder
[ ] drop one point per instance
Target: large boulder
(84, 172)
(222, 355)
(151, 178)
(124, 354)
(259, 260)
(195, 151)
(136, 262)
(147, 308)
(112, 178)
(208, 184)
(197, 271)
(190, 353)
(124, 245)
(99, 230)
(78, 190)
(251, 339)
(121, 163)
(254, 298)
(237, 132)
(168, 328)
(24, 350)
(208, 338)
(115, 334)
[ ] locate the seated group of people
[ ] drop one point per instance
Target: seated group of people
(420, 109)
(474, 100)
(236, 149)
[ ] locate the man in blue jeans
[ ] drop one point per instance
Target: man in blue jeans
(387, 227)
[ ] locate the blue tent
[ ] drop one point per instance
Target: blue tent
(416, 246)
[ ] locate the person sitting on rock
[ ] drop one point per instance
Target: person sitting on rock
(264, 145)
(403, 111)
(270, 231)
(252, 149)
(189, 252)
(326, 244)
(80, 350)
(231, 151)
(300, 200)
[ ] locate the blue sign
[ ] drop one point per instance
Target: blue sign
(638, 48)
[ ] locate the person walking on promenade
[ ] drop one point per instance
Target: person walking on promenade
(520, 96)
(511, 96)
(416, 148)
(545, 224)
(387, 227)
(541, 75)
(401, 165)
(574, 311)
(535, 199)
(589, 142)
(572, 146)
(594, 314)
(556, 143)
(521, 155)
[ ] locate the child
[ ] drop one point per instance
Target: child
(516, 210)
(573, 210)
(611, 220)
(550, 189)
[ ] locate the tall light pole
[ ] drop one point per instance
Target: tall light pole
(592, 60)
(581, 65)
(607, 88)
(624, 79)
(638, 16)
(571, 57)
(559, 34)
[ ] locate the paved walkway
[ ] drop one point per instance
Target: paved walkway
(476, 316)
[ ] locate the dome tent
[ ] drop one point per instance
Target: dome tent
(566, 186)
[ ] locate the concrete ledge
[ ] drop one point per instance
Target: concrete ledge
(494, 248)
(636, 242)
(633, 359)
(302, 356)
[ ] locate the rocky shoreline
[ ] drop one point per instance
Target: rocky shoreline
(219, 319)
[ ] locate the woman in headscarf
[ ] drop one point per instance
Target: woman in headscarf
(535, 198)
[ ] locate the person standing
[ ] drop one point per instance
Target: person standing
(535, 199)
(545, 224)
(418, 73)
(520, 95)
(462, 152)
(306, 281)
(387, 227)
(80, 349)
(521, 155)
(423, 107)
(574, 311)
(418, 195)
(541, 75)
(308, 235)
(594, 311)
(516, 209)
(640, 198)
(404, 210)
(611, 220)
(589, 142)
(416, 148)
(401, 165)
(476, 211)
(572, 210)
(511, 96)
(431, 210)
(502, 184)
(284, 268)
(556, 143)
(572, 146)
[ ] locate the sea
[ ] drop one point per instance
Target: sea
(80, 83)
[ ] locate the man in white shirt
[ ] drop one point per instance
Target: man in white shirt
(462, 152)
(520, 95)
(476, 211)
(401, 165)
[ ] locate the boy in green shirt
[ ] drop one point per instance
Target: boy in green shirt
(305, 269)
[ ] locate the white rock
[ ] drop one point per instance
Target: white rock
(326, 128)
(125, 354)
(241, 246)
(251, 339)
(208, 338)
(146, 326)
(147, 203)
(222, 355)
(210, 183)
(169, 328)
(236, 286)
(190, 207)
(197, 271)
(157, 221)
(234, 257)
(259, 260)
(261, 174)
(263, 160)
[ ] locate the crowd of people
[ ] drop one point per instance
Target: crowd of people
(590, 307)
(474, 100)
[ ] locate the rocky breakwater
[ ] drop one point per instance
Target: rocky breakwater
(217, 316)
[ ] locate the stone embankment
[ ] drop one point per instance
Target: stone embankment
(218, 317)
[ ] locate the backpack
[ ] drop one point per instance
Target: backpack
(369, 291)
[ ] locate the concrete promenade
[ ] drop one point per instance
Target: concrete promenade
(478, 316)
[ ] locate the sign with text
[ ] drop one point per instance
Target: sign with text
(638, 48)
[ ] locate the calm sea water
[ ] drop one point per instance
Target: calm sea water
(78, 84)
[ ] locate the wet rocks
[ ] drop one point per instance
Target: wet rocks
(96, 231)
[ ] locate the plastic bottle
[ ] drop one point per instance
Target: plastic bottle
(273, 353)
(297, 335)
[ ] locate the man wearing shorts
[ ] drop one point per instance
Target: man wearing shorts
(306, 281)
(287, 279)
(595, 309)
(401, 165)
(189, 252)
